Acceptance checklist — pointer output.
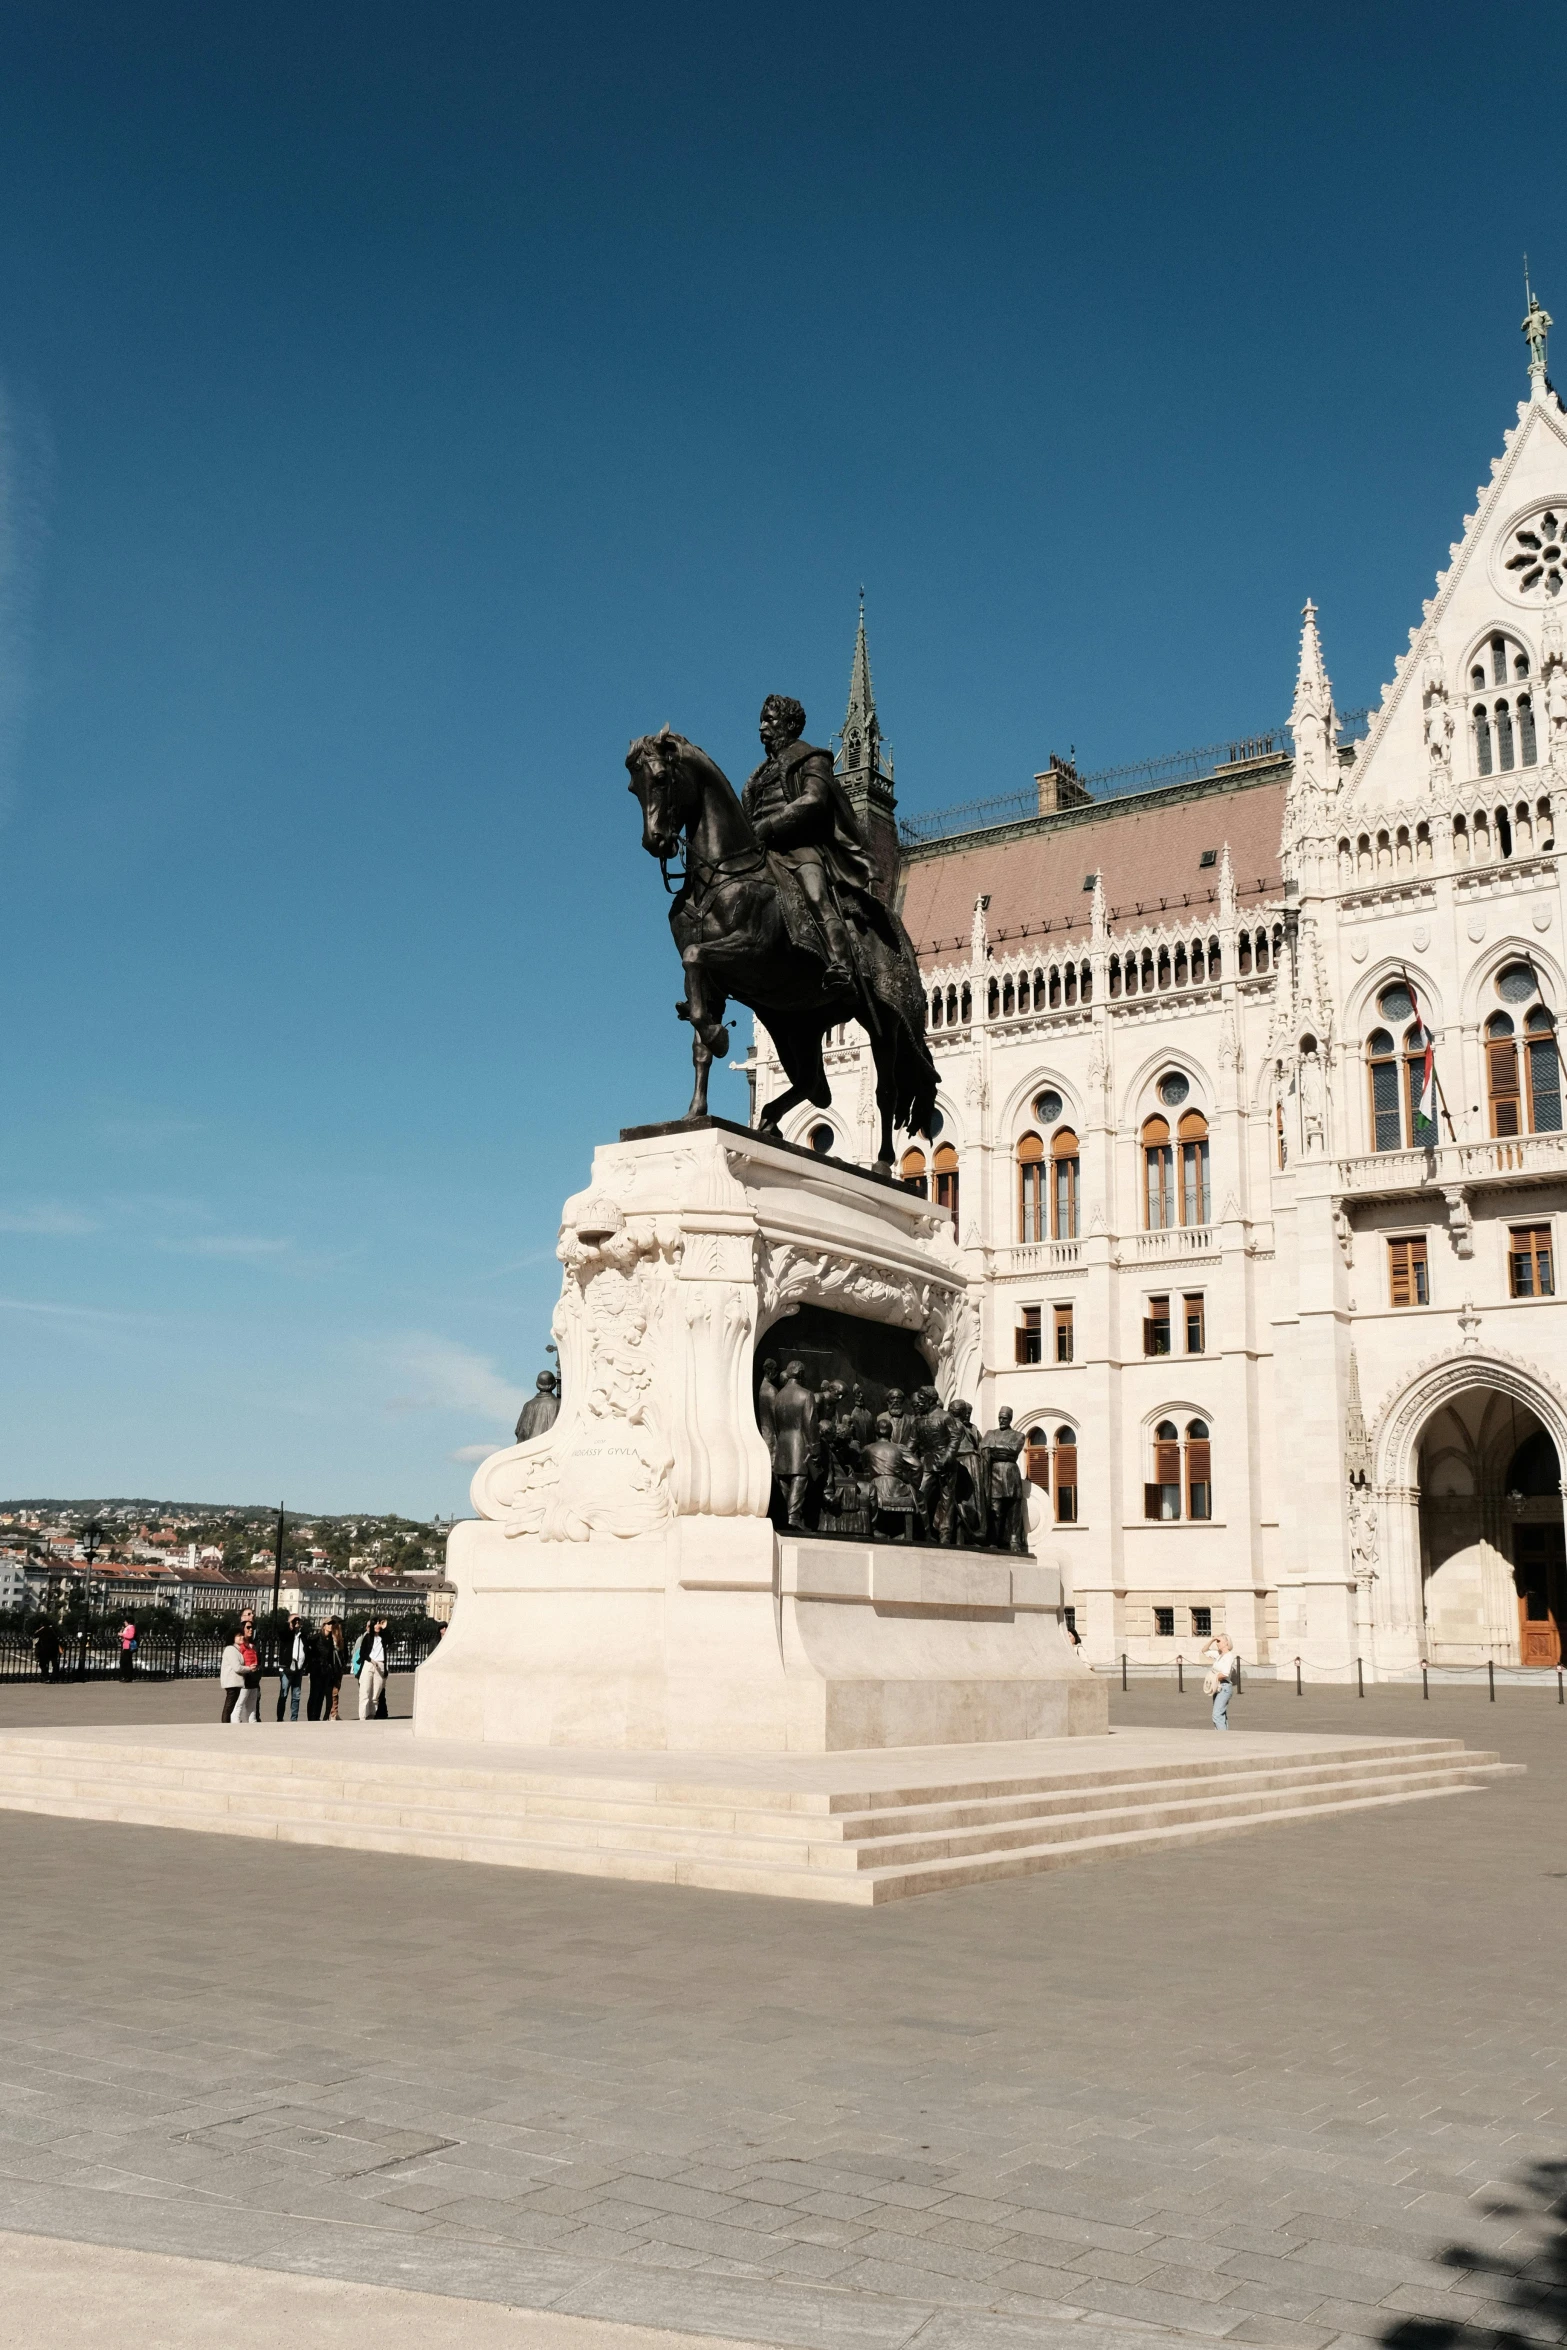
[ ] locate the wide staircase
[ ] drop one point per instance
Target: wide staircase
(685, 1823)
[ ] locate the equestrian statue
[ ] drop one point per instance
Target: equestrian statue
(777, 910)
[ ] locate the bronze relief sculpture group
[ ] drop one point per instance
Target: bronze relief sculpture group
(916, 1471)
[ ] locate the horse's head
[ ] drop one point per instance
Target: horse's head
(662, 781)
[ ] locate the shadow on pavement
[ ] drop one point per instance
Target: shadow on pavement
(1530, 2280)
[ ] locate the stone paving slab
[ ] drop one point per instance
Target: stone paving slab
(1304, 2094)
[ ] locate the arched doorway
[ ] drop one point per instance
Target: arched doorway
(1492, 1572)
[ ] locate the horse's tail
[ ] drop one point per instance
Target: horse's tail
(913, 1073)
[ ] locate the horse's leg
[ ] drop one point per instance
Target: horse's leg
(704, 1008)
(884, 1049)
(779, 1107)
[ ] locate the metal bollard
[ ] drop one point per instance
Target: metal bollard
(1490, 1674)
(1123, 1668)
(1559, 1698)
(1297, 1676)
(1237, 1676)
(1360, 1676)
(1180, 1676)
(1425, 1678)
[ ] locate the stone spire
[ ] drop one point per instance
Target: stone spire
(861, 727)
(864, 766)
(1314, 725)
(1536, 326)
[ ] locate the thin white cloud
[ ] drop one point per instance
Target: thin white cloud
(476, 1452)
(227, 1244)
(50, 1221)
(452, 1378)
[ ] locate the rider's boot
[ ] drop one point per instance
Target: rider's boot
(840, 963)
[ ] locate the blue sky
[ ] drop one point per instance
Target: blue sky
(404, 406)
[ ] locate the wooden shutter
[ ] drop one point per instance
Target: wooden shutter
(1066, 1482)
(1167, 1464)
(1198, 1472)
(1501, 1075)
(1403, 1256)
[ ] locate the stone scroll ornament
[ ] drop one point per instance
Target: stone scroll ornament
(603, 1468)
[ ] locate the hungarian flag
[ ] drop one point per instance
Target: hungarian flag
(1423, 1103)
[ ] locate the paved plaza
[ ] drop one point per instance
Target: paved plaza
(1297, 2089)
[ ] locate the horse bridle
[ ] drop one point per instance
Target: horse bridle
(732, 868)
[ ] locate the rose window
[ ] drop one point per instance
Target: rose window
(1536, 560)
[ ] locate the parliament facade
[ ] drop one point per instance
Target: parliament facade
(1250, 1126)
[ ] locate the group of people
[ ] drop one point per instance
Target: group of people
(316, 1656)
(916, 1471)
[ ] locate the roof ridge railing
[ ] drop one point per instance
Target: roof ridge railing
(1109, 783)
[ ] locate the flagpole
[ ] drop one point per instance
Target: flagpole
(1441, 1091)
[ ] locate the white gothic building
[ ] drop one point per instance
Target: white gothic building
(1290, 1354)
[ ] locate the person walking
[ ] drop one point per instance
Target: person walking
(46, 1648)
(1220, 1683)
(127, 1649)
(372, 1671)
(293, 1659)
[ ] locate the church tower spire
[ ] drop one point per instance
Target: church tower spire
(864, 765)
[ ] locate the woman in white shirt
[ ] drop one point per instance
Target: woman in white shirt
(1221, 1677)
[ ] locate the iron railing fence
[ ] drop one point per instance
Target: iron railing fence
(176, 1655)
(1111, 783)
(1189, 1672)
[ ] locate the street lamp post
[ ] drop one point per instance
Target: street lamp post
(92, 1540)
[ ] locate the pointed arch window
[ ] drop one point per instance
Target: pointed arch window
(1162, 1493)
(944, 1168)
(1387, 1126)
(1421, 1133)
(1482, 727)
(1064, 1174)
(912, 1169)
(1545, 1072)
(1199, 1470)
(1196, 1199)
(1501, 1076)
(1031, 1189)
(1158, 1175)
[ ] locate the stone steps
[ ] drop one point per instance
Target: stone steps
(861, 1844)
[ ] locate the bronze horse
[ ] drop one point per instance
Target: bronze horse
(742, 935)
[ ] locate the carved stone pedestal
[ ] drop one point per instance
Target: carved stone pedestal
(622, 1586)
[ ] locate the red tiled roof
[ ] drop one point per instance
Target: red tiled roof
(1147, 854)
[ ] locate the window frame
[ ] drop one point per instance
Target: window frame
(1153, 1322)
(1065, 1184)
(1158, 1151)
(1416, 1272)
(1063, 1326)
(1028, 1337)
(1383, 1065)
(1540, 1253)
(1033, 1206)
(1197, 1298)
